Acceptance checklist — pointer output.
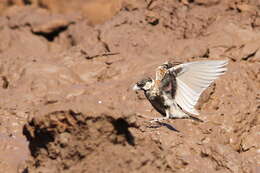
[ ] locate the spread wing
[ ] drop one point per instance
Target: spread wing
(193, 78)
(168, 84)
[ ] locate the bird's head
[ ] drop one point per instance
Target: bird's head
(144, 84)
(167, 65)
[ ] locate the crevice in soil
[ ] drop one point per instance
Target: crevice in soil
(52, 35)
(27, 2)
(103, 42)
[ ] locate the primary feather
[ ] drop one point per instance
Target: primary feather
(193, 78)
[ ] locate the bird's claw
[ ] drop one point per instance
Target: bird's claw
(158, 119)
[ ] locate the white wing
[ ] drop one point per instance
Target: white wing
(193, 78)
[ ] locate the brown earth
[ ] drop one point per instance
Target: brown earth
(66, 76)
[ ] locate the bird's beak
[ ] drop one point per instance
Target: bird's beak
(136, 88)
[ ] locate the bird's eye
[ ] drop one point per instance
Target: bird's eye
(140, 84)
(167, 66)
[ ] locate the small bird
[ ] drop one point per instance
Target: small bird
(177, 87)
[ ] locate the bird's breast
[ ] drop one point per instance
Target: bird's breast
(157, 102)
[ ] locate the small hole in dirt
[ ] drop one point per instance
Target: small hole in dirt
(27, 2)
(52, 35)
(203, 155)
(42, 5)
(5, 82)
(25, 170)
(10, 3)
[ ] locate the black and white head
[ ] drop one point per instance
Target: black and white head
(167, 65)
(144, 84)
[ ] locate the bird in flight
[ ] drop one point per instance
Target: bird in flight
(177, 87)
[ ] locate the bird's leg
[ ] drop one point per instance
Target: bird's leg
(162, 118)
(158, 119)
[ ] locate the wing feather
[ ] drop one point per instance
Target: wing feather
(193, 78)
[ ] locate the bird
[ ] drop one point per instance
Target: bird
(177, 87)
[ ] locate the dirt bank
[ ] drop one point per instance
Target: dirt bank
(66, 77)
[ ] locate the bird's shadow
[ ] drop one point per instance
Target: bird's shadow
(168, 126)
(196, 119)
